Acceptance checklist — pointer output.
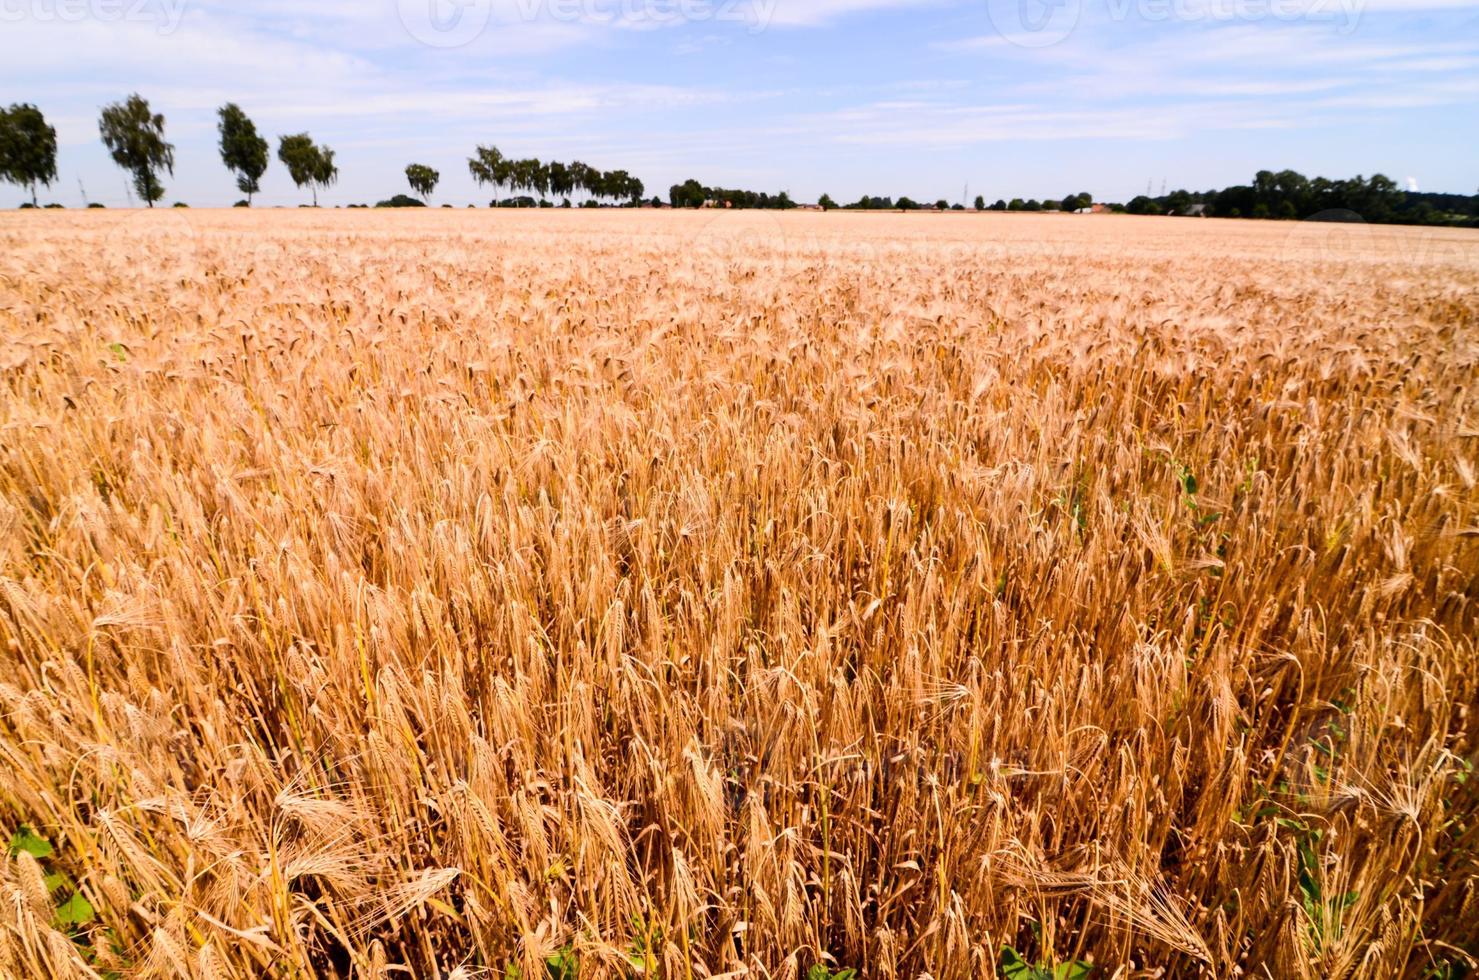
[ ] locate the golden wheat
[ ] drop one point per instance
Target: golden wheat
(694, 595)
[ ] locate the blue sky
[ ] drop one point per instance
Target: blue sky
(1017, 98)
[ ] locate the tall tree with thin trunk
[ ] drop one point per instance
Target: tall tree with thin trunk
(488, 166)
(580, 176)
(423, 180)
(134, 136)
(525, 175)
(243, 151)
(308, 164)
(614, 184)
(560, 182)
(27, 148)
(595, 183)
(538, 177)
(325, 171)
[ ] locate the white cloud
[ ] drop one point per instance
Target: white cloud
(815, 13)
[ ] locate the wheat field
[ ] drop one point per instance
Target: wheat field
(685, 595)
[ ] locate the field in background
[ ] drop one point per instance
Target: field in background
(691, 594)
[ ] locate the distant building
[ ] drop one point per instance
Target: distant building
(1195, 211)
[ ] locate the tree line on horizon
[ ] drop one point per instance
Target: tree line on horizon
(134, 136)
(1291, 196)
(490, 167)
(1072, 202)
(1286, 194)
(692, 194)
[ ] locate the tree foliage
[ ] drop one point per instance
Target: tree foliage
(1291, 196)
(532, 176)
(1141, 204)
(308, 164)
(561, 182)
(401, 201)
(692, 194)
(27, 148)
(243, 150)
(488, 167)
(134, 136)
(423, 179)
